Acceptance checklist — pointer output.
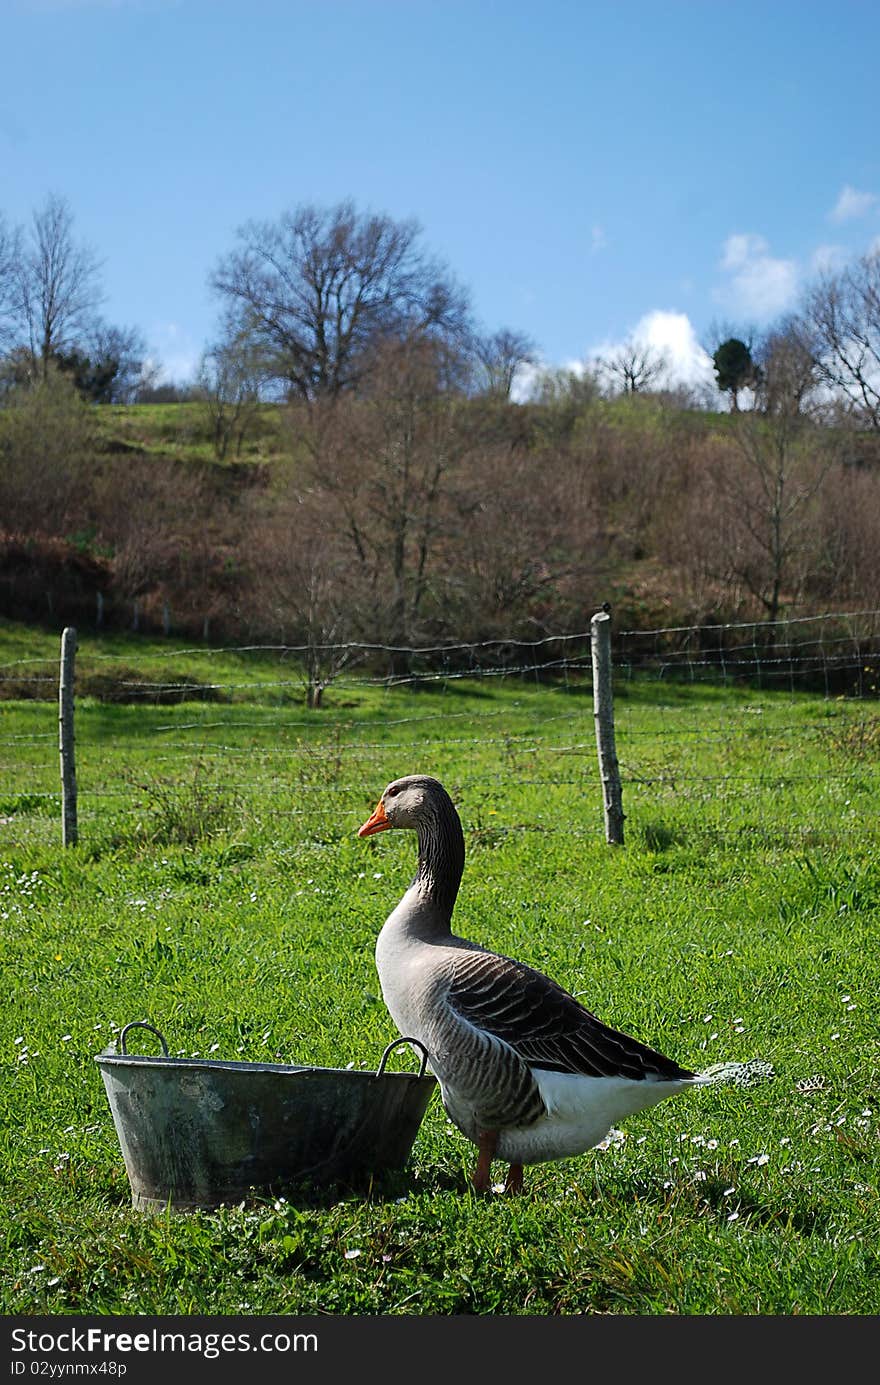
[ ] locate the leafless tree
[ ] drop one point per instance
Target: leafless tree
(45, 443)
(302, 583)
(765, 486)
(386, 461)
(500, 356)
(632, 368)
(229, 380)
(10, 259)
(315, 289)
(121, 353)
(786, 375)
(843, 313)
(58, 289)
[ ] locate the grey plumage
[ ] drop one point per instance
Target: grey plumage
(525, 1069)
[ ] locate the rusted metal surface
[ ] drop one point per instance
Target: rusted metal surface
(201, 1132)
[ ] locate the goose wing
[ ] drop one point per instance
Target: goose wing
(544, 1025)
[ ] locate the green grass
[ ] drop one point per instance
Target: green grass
(219, 889)
(184, 431)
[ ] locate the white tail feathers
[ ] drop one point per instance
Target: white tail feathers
(749, 1074)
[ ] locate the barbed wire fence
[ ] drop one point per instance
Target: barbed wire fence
(252, 739)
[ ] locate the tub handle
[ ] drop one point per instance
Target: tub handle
(142, 1024)
(396, 1043)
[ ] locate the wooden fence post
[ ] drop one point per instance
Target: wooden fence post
(603, 711)
(65, 737)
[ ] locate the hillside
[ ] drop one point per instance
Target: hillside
(422, 516)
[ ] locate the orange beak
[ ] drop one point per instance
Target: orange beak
(377, 823)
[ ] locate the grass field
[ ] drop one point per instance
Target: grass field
(219, 890)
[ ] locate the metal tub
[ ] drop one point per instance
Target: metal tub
(201, 1132)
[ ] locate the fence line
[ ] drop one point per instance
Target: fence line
(681, 755)
(500, 641)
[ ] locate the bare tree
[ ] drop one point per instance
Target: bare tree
(386, 463)
(229, 380)
(302, 582)
(57, 282)
(120, 355)
(500, 357)
(10, 259)
(786, 374)
(843, 313)
(633, 367)
(759, 535)
(315, 290)
(45, 443)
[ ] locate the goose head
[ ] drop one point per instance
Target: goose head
(421, 803)
(408, 802)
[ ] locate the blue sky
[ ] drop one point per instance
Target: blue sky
(588, 170)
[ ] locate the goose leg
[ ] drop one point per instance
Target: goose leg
(514, 1181)
(481, 1177)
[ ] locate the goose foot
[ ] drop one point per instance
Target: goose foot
(481, 1178)
(514, 1182)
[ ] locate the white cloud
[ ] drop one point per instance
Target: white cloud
(851, 204)
(826, 258)
(177, 354)
(739, 249)
(759, 285)
(669, 334)
(527, 379)
(672, 336)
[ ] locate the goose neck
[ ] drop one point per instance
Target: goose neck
(441, 858)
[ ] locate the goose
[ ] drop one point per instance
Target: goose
(525, 1071)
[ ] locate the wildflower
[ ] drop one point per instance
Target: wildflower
(614, 1137)
(352, 1254)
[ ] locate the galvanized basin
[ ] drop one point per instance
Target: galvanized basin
(201, 1132)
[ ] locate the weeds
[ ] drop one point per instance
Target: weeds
(174, 813)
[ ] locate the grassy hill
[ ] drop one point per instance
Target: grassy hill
(426, 517)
